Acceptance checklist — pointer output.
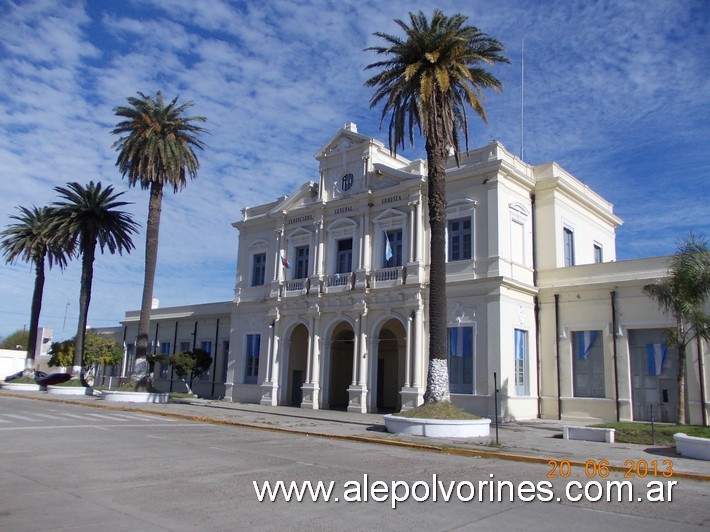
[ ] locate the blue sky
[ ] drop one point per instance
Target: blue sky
(617, 92)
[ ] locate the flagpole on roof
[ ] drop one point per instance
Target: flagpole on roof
(522, 102)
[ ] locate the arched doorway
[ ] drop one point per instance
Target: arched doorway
(390, 366)
(297, 364)
(340, 366)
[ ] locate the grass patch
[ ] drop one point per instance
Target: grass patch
(182, 395)
(76, 383)
(437, 411)
(22, 380)
(635, 432)
(141, 385)
(126, 387)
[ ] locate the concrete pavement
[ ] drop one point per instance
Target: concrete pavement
(528, 441)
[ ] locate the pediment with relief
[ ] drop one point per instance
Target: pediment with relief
(385, 177)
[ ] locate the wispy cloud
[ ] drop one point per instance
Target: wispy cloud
(616, 92)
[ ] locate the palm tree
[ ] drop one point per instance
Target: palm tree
(29, 240)
(426, 82)
(683, 294)
(88, 216)
(156, 149)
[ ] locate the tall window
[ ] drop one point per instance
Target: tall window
(521, 357)
(165, 351)
(130, 358)
(185, 347)
(517, 242)
(225, 359)
(207, 347)
(588, 364)
(459, 239)
(598, 257)
(251, 370)
(258, 272)
(392, 249)
(344, 260)
(568, 235)
(461, 359)
(301, 271)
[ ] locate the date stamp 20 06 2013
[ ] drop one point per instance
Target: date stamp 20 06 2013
(602, 469)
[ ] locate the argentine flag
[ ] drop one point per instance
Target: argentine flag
(585, 341)
(656, 355)
(388, 247)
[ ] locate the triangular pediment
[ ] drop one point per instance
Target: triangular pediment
(385, 176)
(342, 141)
(306, 194)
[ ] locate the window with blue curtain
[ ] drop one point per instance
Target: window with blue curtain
(258, 274)
(251, 370)
(225, 359)
(302, 253)
(521, 352)
(165, 351)
(459, 232)
(207, 347)
(588, 364)
(461, 359)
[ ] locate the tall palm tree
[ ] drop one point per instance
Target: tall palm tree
(426, 82)
(156, 149)
(683, 294)
(86, 217)
(29, 241)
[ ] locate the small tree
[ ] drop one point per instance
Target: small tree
(190, 364)
(20, 337)
(99, 349)
(683, 294)
(62, 353)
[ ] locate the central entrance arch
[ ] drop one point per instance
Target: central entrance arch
(340, 373)
(390, 369)
(297, 364)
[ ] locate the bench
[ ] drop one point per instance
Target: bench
(572, 432)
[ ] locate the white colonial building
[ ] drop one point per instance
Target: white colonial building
(330, 307)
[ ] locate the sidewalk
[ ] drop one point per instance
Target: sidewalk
(531, 441)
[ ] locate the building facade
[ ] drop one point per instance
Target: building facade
(330, 307)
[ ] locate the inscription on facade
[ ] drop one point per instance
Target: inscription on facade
(391, 199)
(299, 219)
(343, 210)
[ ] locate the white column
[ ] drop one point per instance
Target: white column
(269, 357)
(408, 354)
(412, 229)
(362, 356)
(274, 377)
(316, 253)
(418, 354)
(419, 230)
(277, 258)
(321, 249)
(356, 350)
(315, 366)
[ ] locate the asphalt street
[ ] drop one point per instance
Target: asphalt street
(73, 467)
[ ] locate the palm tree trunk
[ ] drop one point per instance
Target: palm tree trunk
(34, 318)
(681, 384)
(437, 389)
(151, 260)
(87, 275)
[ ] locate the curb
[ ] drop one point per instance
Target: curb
(444, 449)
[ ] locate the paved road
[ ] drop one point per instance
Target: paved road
(69, 467)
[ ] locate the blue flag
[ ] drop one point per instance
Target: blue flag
(388, 247)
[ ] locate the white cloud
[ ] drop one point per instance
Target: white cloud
(617, 92)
